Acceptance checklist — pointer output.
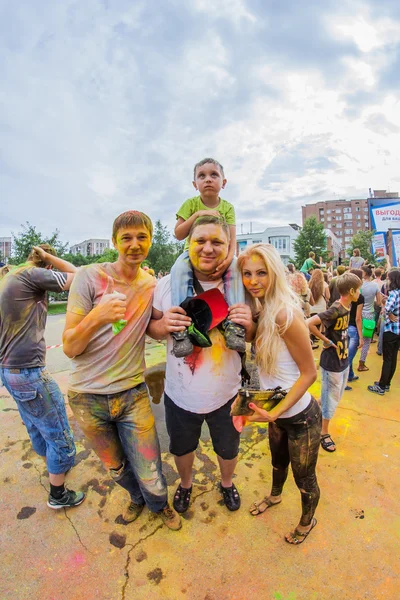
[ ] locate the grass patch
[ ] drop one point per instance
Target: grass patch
(57, 308)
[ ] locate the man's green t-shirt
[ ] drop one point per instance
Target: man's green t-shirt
(308, 263)
(193, 205)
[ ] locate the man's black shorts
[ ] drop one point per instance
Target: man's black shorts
(184, 429)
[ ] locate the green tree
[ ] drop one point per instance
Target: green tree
(28, 237)
(77, 259)
(109, 255)
(311, 238)
(164, 250)
(363, 241)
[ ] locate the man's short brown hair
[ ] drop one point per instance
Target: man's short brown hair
(132, 218)
(211, 220)
(347, 282)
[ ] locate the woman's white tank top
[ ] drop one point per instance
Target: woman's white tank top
(286, 376)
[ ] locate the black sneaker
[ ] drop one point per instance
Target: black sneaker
(385, 387)
(235, 336)
(376, 389)
(68, 499)
(231, 497)
(182, 498)
(181, 344)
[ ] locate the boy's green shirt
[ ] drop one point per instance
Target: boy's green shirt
(193, 205)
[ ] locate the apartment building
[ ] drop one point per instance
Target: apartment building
(90, 247)
(344, 218)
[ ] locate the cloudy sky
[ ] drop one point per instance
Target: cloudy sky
(105, 105)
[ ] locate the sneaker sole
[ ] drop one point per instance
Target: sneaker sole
(58, 506)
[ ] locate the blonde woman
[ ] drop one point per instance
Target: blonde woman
(284, 358)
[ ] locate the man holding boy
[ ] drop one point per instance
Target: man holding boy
(334, 361)
(208, 180)
(108, 312)
(202, 386)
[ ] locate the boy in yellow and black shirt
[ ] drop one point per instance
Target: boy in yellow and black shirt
(334, 361)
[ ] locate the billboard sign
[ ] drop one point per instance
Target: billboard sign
(396, 248)
(379, 245)
(386, 216)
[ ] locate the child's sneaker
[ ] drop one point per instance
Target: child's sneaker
(235, 336)
(171, 518)
(181, 344)
(69, 498)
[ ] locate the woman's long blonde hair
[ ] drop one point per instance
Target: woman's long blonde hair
(279, 296)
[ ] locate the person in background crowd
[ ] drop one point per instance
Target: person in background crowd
(391, 335)
(299, 285)
(377, 309)
(355, 330)
(356, 261)
(308, 265)
(333, 291)
(384, 292)
(320, 292)
(291, 268)
(371, 292)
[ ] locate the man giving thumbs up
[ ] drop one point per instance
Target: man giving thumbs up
(107, 392)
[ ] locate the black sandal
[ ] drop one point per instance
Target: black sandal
(231, 497)
(327, 445)
(182, 498)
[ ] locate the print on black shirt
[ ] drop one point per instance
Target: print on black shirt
(336, 322)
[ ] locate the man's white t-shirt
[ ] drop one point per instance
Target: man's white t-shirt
(209, 377)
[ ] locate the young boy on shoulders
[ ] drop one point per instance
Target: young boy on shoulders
(209, 179)
(334, 361)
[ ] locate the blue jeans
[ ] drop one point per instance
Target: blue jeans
(354, 341)
(332, 389)
(42, 409)
(182, 281)
(121, 430)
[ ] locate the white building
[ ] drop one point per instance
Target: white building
(91, 247)
(281, 237)
(5, 247)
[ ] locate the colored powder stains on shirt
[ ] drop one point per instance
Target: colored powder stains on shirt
(23, 313)
(217, 349)
(111, 364)
(191, 383)
(195, 359)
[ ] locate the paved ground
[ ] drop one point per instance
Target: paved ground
(88, 553)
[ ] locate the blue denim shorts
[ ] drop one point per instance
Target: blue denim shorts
(42, 409)
(332, 389)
